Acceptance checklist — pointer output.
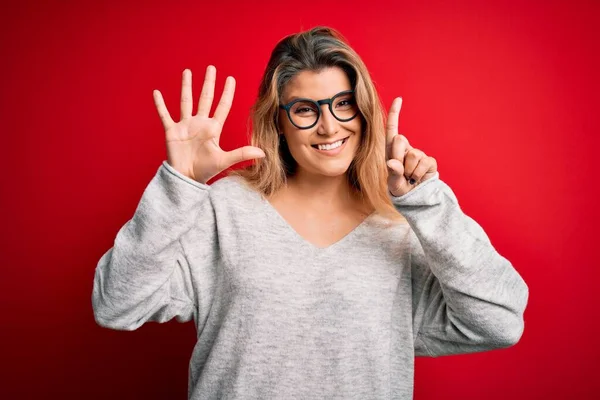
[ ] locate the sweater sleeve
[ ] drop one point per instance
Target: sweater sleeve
(467, 297)
(146, 275)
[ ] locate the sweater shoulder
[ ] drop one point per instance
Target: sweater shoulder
(233, 189)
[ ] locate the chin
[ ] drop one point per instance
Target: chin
(333, 170)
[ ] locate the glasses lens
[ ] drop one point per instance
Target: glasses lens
(344, 106)
(304, 113)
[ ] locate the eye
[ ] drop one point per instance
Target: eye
(303, 108)
(345, 103)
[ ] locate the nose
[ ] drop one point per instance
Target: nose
(327, 124)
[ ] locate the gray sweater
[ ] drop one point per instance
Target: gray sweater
(280, 318)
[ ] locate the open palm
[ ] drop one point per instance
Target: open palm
(193, 142)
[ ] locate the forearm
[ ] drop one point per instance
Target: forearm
(145, 274)
(472, 296)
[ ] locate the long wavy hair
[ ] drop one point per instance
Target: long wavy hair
(315, 49)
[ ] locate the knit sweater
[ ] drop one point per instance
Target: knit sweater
(279, 318)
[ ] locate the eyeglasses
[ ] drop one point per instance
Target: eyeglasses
(304, 113)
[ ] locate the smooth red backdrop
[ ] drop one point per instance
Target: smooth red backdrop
(504, 96)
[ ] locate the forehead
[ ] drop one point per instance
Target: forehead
(316, 85)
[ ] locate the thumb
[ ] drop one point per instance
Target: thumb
(243, 154)
(396, 166)
(397, 183)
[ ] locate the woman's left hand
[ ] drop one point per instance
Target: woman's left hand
(408, 166)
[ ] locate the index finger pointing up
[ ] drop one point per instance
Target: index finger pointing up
(392, 121)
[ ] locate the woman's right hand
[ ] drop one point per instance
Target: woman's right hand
(193, 142)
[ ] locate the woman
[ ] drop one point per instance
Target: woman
(315, 272)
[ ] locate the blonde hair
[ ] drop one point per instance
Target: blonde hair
(315, 49)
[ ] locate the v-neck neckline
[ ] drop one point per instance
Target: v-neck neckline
(305, 242)
(285, 225)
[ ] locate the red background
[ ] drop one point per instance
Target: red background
(504, 96)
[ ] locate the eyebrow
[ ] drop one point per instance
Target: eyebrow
(302, 97)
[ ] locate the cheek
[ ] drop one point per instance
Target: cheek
(358, 134)
(356, 126)
(298, 147)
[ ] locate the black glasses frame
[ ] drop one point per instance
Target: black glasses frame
(318, 103)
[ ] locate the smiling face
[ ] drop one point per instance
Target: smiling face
(317, 150)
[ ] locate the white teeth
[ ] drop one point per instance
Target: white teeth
(331, 146)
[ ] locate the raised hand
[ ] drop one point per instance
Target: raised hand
(193, 142)
(408, 166)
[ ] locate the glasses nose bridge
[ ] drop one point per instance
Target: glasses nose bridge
(328, 103)
(328, 122)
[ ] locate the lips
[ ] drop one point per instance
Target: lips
(316, 146)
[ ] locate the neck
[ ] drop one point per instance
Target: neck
(324, 193)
